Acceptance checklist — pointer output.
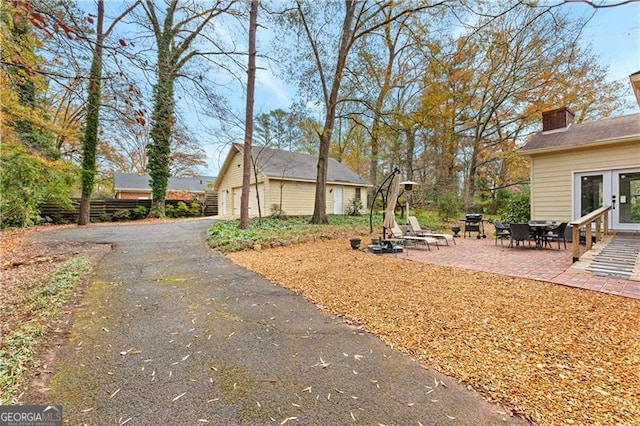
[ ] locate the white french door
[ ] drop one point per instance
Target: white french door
(618, 188)
(626, 190)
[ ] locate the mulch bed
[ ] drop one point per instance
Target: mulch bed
(559, 355)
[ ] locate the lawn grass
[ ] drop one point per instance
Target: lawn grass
(272, 232)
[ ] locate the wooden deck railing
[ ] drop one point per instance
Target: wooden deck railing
(598, 217)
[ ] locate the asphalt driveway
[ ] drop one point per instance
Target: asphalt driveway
(170, 332)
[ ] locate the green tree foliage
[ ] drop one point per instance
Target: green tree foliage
(27, 181)
(448, 207)
(278, 129)
(518, 209)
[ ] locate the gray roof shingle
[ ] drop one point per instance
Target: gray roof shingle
(132, 181)
(297, 166)
(585, 134)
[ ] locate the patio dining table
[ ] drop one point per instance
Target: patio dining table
(538, 230)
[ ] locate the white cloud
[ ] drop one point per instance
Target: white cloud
(271, 92)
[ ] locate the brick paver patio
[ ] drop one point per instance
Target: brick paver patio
(548, 264)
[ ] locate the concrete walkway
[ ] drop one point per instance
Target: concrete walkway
(170, 332)
(548, 264)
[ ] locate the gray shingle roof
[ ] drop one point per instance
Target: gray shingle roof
(585, 134)
(132, 181)
(297, 166)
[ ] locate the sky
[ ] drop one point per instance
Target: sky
(615, 35)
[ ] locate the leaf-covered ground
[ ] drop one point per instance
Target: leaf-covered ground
(26, 266)
(27, 302)
(560, 355)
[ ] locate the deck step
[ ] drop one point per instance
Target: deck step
(618, 258)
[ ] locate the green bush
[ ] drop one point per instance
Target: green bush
(448, 207)
(140, 212)
(499, 202)
(354, 206)
(429, 219)
(195, 209)
(28, 181)
(122, 214)
(518, 210)
(105, 217)
(227, 236)
(169, 210)
(182, 209)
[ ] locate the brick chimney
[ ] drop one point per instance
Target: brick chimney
(555, 119)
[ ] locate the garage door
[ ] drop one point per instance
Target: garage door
(253, 202)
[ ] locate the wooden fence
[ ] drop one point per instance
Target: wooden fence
(102, 209)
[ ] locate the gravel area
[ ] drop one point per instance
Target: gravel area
(559, 355)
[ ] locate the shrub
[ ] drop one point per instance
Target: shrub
(182, 210)
(276, 211)
(140, 212)
(105, 217)
(499, 202)
(169, 210)
(448, 207)
(195, 209)
(354, 206)
(28, 181)
(518, 210)
(122, 214)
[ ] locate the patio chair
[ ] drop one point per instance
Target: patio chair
(474, 223)
(520, 232)
(557, 233)
(397, 234)
(502, 231)
(419, 232)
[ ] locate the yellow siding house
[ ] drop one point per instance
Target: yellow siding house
(577, 168)
(285, 180)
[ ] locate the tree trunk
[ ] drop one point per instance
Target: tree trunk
(410, 148)
(320, 206)
(162, 120)
(473, 172)
(248, 129)
(377, 113)
(90, 145)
